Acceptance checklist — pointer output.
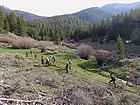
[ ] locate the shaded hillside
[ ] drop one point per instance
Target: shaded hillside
(94, 14)
(118, 8)
(5, 10)
(27, 16)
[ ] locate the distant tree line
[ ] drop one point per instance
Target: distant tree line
(69, 27)
(126, 25)
(13, 23)
(59, 28)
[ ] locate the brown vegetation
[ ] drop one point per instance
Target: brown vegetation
(19, 42)
(69, 45)
(23, 43)
(42, 45)
(101, 56)
(7, 39)
(84, 51)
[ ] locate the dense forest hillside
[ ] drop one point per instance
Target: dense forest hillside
(94, 15)
(89, 23)
(118, 8)
(74, 28)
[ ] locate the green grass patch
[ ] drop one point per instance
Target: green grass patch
(84, 70)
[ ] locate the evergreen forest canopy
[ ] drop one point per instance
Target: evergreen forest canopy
(69, 27)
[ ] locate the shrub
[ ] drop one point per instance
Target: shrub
(100, 56)
(111, 101)
(129, 99)
(42, 45)
(23, 42)
(7, 39)
(84, 51)
(69, 45)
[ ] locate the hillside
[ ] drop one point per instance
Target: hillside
(27, 16)
(24, 79)
(94, 15)
(118, 8)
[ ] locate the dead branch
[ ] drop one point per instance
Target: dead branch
(53, 96)
(33, 102)
(44, 94)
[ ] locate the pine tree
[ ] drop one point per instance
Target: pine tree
(46, 35)
(2, 18)
(57, 40)
(120, 48)
(6, 25)
(21, 26)
(12, 18)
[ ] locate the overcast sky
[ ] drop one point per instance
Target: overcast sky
(56, 7)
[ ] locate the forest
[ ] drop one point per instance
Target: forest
(69, 27)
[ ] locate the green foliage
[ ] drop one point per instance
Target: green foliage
(57, 40)
(68, 27)
(21, 26)
(124, 24)
(6, 25)
(12, 18)
(136, 36)
(120, 48)
(64, 27)
(2, 18)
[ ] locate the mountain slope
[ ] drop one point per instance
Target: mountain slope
(118, 8)
(27, 16)
(94, 14)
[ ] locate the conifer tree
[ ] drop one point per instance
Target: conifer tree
(57, 40)
(21, 26)
(120, 48)
(6, 25)
(13, 22)
(46, 35)
(2, 18)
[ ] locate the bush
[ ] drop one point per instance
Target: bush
(23, 43)
(69, 45)
(101, 56)
(7, 39)
(111, 101)
(42, 45)
(84, 51)
(129, 99)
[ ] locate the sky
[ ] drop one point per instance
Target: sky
(56, 7)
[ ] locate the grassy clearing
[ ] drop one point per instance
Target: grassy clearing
(78, 66)
(76, 70)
